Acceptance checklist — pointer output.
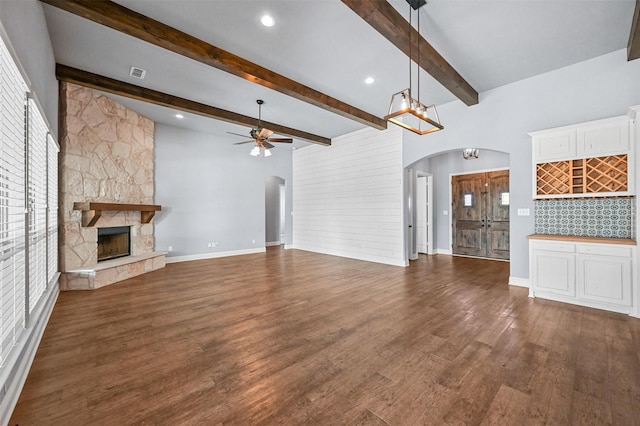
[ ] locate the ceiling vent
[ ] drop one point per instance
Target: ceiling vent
(137, 72)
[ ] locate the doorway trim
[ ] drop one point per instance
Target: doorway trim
(451, 175)
(429, 211)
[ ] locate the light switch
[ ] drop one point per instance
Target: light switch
(445, 212)
(524, 212)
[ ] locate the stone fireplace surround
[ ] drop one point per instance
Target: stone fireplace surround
(106, 156)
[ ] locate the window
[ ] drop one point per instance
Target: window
(13, 91)
(37, 202)
(28, 205)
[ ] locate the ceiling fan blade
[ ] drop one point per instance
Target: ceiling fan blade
(280, 140)
(264, 133)
(267, 145)
(241, 143)
(237, 134)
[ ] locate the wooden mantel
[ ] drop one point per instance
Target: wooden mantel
(91, 211)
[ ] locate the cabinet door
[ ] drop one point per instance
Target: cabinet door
(604, 279)
(554, 272)
(560, 145)
(609, 136)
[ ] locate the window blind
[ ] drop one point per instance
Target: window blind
(37, 134)
(52, 208)
(12, 202)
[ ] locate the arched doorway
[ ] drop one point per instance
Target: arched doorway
(441, 168)
(274, 201)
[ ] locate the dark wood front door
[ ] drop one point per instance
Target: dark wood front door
(481, 214)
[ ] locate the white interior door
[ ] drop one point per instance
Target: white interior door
(421, 215)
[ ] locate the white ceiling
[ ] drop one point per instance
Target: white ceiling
(325, 45)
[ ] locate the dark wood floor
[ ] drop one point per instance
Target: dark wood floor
(292, 337)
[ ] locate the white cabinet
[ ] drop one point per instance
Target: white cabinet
(589, 274)
(553, 267)
(554, 146)
(587, 159)
(610, 136)
(603, 137)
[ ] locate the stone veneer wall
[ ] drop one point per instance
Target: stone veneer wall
(106, 156)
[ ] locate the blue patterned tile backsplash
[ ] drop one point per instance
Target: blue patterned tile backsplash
(591, 217)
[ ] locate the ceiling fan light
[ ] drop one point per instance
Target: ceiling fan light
(255, 152)
(267, 153)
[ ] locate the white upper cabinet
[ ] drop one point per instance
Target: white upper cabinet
(591, 139)
(610, 136)
(552, 146)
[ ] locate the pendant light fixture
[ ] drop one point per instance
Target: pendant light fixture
(406, 111)
(470, 153)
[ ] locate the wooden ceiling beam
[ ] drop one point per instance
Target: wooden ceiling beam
(633, 48)
(116, 87)
(385, 19)
(136, 25)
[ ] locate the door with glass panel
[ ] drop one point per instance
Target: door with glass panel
(480, 214)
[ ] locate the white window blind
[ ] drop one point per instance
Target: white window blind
(37, 134)
(12, 202)
(52, 206)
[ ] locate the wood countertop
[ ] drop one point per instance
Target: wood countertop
(580, 239)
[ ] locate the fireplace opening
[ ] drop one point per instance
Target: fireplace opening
(114, 242)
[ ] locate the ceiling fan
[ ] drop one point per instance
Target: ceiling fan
(261, 136)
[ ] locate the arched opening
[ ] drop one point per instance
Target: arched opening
(429, 197)
(275, 219)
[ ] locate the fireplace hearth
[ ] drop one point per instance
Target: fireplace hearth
(114, 242)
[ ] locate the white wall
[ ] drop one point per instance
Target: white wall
(348, 198)
(24, 23)
(212, 191)
(598, 88)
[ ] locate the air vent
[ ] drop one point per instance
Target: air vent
(137, 72)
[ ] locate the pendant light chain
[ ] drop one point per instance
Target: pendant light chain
(410, 47)
(418, 63)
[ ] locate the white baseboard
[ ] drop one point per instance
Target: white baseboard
(272, 243)
(358, 256)
(519, 282)
(14, 374)
(288, 246)
(203, 256)
(443, 251)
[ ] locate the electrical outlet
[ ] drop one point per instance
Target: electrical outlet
(170, 248)
(253, 241)
(445, 212)
(209, 245)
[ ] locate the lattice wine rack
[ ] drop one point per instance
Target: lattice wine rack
(583, 176)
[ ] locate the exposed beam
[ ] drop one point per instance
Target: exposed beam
(388, 22)
(116, 87)
(125, 20)
(633, 48)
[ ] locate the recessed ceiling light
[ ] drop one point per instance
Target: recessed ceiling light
(268, 21)
(180, 116)
(369, 80)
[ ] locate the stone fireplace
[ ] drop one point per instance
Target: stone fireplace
(106, 157)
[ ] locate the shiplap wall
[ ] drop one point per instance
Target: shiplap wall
(348, 198)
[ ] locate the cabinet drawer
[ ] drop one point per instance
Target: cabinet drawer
(561, 247)
(603, 250)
